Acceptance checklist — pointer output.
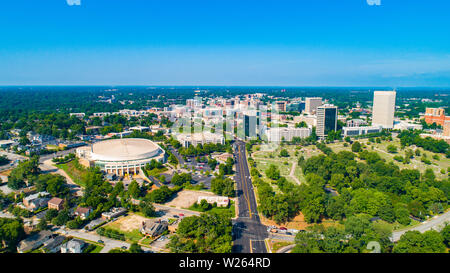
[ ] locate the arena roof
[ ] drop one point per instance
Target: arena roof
(124, 149)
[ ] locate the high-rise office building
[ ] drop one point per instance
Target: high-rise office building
(311, 105)
(327, 116)
(383, 109)
(251, 125)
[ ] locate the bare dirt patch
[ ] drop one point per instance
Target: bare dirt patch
(298, 222)
(128, 223)
(186, 198)
(5, 173)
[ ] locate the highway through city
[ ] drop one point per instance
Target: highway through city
(248, 233)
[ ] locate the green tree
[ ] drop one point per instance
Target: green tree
(272, 172)
(133, 189)
(135, 248)
(356, 147)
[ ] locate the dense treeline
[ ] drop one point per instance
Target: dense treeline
(408, 138)
(366, 184)
(377, 188)
(207, 233)
(360, 235)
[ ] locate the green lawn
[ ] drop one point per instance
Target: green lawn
(97, 249)
(156, 171)
(146, 241)
(131, 236)
(73, 171)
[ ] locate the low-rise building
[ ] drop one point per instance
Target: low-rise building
(286, 134)
(82, 212)
(54, 244)
(55, 203)
(36, 201)
(221, 201)
(78, 115)
(364, 130)
(356, 122)
(34, 241)
(73, 246)
(140, 128)
(154, 228)
(113, 213)
(95, 223)
(404, 125)
(200, 138)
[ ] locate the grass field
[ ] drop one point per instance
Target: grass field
(73, 171)
(275, 245)
(264, 159)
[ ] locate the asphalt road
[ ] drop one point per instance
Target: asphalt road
(248, 232)
(435, 223)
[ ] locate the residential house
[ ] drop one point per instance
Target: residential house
(73, 246)
(113, 213)
(36, 201)
(83, 212)
(154, 228)
(54, 244)
(55, 203)
(34, 241)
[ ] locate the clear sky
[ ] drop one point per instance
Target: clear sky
(225, 42)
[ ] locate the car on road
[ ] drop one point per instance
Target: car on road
(124, 247)
(100, 241)
(181, 215)
(176, 216)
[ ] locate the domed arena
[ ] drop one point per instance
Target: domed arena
(121, 156)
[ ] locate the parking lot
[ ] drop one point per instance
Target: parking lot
(13, 158)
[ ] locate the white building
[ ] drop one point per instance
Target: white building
(221, 201)
(404, 125)
(286, 134)
(383, 109)
(200, 138)
(73, 246)
(140, 128)
(364, 130)
(356, 122)
(121, 156)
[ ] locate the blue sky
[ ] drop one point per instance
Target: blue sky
(225, 42)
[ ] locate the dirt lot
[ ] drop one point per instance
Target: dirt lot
(5, 173)
(128, 223)
(186, 198)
